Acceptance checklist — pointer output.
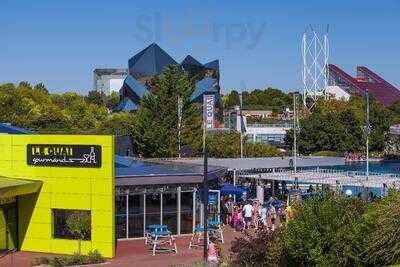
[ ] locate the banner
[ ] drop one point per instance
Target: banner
(208, 111)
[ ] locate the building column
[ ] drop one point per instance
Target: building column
(127, 215)
(178, 202)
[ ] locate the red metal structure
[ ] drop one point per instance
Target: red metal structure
(383, 91)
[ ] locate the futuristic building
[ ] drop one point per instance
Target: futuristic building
(343, 85)
(108, 80)
(150, 62)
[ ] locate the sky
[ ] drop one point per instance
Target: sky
(258, 43)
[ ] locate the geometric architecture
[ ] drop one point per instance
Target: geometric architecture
(108, 80)
(343, 84)
(150, 62)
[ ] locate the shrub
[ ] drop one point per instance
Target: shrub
(40, 261)
(251, 249)
(93, 257)
(323, 233)
(381, 223)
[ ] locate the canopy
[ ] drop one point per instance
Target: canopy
(228, 189)
(11, 187)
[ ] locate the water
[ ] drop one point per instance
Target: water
(374, 166)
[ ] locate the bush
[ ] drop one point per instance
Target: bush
(93, 257)
(324, 233)
(381, 225)
(252, 249)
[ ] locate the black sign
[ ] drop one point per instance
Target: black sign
(85, 156)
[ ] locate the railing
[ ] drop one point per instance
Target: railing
(260, 125)
(328, 176)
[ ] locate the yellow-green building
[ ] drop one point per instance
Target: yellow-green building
(45, 181)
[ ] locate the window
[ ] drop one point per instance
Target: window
(72, 224)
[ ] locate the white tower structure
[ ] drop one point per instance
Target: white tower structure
(315, 51)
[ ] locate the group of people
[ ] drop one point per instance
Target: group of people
(251, 214)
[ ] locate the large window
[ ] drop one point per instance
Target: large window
(72, 224)
(153, 209)
(169, 211)
(136, 215)
(120, 217)
(186, 212)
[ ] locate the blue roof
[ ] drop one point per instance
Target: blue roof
(126, 105)
(150, 61)
(213, 65)
(125, 166)
(189, 60)
(206, 85)
(9, 129)
(137, 87)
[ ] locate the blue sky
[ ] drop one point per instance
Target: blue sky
(258, 42)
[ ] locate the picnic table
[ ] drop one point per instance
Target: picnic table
(214, 229)
(158, 237)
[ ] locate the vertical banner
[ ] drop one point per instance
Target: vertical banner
(208, 111)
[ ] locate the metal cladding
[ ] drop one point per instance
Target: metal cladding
(384, 92)
(151, 62)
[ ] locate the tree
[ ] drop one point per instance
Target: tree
(79, 225)
(155, 132)
(96, 97)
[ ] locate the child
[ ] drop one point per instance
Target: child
(212, 252)
(235, 217)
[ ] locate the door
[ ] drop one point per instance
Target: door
(8, 227)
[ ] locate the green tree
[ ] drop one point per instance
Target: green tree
(96, 97)
(79, 225)
(155, 132)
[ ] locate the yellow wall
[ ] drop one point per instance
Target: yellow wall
(63, 188)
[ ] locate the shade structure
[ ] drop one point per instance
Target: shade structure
(11, 187)
(228, 189)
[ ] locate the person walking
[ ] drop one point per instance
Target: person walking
(229, 211)
(272, 217)
(248, 214)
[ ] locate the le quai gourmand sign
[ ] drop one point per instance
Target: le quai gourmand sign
(84, 156)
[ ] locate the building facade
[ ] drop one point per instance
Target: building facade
(44, 180)
(108, 80)
(48, 180)
(343, 85)
(150, 62)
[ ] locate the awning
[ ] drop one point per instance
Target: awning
(11, 187)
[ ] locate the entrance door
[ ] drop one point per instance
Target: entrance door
(8, 227)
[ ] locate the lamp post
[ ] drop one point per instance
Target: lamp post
(179, 124)
(205, 201)
(367, 131)
(295, 131)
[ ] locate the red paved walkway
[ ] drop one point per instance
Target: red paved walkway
(136, 253)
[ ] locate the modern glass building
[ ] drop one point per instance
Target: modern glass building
(159, 192)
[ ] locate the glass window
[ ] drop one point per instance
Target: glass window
(72, 224)
(170, 207)
(136, 215)
(186, 212)
(120, 216)
(153, 209)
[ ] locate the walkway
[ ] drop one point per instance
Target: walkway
(136, 253)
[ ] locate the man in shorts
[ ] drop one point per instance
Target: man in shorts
(247, 214)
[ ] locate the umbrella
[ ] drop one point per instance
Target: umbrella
(228, 189)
